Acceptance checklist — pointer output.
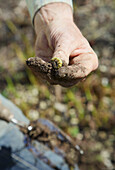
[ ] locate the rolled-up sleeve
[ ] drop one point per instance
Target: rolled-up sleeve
(35, 5)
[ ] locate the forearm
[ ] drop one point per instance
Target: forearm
(35, 5)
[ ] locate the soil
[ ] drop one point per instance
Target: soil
(47, 133)
(47, 71)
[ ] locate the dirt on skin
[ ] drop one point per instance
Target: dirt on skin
(65, 75)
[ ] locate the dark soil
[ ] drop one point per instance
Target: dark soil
(60, 76)
(47, 133)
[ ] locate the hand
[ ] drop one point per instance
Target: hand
(58, 36)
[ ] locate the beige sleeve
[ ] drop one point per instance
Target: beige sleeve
(35, 5)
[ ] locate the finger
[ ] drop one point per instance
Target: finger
(88, 61)
(73, 72)
(81, 51)
(66, 75)
(63, 49)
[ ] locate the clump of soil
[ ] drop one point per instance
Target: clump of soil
(65, 75)
(50, 135)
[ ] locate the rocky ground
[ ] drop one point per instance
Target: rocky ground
(85, 111)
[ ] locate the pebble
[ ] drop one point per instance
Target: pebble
(43, 105)
(72, 112)
(102, 135)
(103, 68)
(33, 114)
(60, 107)
(74, 121)
(105, 81)
(57, 118)
(79, 136)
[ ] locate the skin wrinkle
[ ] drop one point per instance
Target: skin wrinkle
(80, 51)
(49, 41)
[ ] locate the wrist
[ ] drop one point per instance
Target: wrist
(52, 12)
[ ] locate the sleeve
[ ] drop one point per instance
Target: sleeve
(35, 5)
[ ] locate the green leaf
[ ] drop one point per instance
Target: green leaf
(73, 131)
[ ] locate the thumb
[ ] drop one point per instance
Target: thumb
(62, 52)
